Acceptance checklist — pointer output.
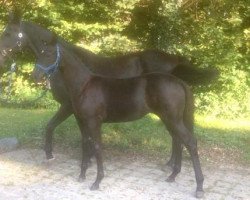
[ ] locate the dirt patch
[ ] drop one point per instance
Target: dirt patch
(216, 155)
(24, 174)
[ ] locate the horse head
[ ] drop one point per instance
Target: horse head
(13, 39)
(19, 35)
(47, 60)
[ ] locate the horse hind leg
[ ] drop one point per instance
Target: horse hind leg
(190, 143)
(188, 121)
(171, 162)
(176, 156)
(177, 160)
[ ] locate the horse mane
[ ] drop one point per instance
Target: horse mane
(83, 54)
(121, 66)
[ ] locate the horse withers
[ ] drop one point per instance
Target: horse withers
(97, 100)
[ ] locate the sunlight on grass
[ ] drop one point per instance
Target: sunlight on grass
(154, 117)
(231, 135)
(147, 135)
(212, 122)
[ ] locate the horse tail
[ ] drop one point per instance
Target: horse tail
(195, 76)
(189, 108)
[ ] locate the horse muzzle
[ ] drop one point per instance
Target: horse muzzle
(38, 77)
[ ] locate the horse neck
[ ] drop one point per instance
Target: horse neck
(74, 71)
(88, 57)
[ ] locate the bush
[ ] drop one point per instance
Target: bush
(213, 33)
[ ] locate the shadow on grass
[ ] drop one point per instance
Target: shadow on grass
(147, 135)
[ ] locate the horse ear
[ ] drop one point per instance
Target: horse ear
(15, 16)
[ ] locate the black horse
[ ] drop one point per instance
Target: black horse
(97, 99)
(20, 35)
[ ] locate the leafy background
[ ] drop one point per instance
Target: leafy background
(212, 32)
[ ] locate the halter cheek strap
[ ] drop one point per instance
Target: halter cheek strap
(20, 36)
(48, 70)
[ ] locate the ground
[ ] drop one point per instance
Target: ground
(25, 174)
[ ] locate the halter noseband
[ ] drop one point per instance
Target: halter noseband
(48, 70)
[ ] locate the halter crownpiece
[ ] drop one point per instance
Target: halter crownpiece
(48, 70)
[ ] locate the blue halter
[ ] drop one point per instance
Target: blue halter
(48, 70)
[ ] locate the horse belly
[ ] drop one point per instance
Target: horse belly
(124, 113)
(126, 107)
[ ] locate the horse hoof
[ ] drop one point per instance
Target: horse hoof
(170, 179)
(94, 187)
(81, 179)
(49, 161)
(90, 163)
(165, 168)
(50, 157)
(170, 164)
(199, 194)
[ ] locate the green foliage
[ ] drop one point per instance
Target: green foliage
(19, 91)
(213, 33)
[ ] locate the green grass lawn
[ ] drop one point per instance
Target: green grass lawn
(217, 139)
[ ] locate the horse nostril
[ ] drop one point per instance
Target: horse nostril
(36, 78)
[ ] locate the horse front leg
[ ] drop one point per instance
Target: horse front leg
(61, 115)
(87, 150)
(99, 161)
(85, 158)
(91, 145)
(94, 128)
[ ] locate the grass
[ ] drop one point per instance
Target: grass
(229, 135)
(218, 139)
